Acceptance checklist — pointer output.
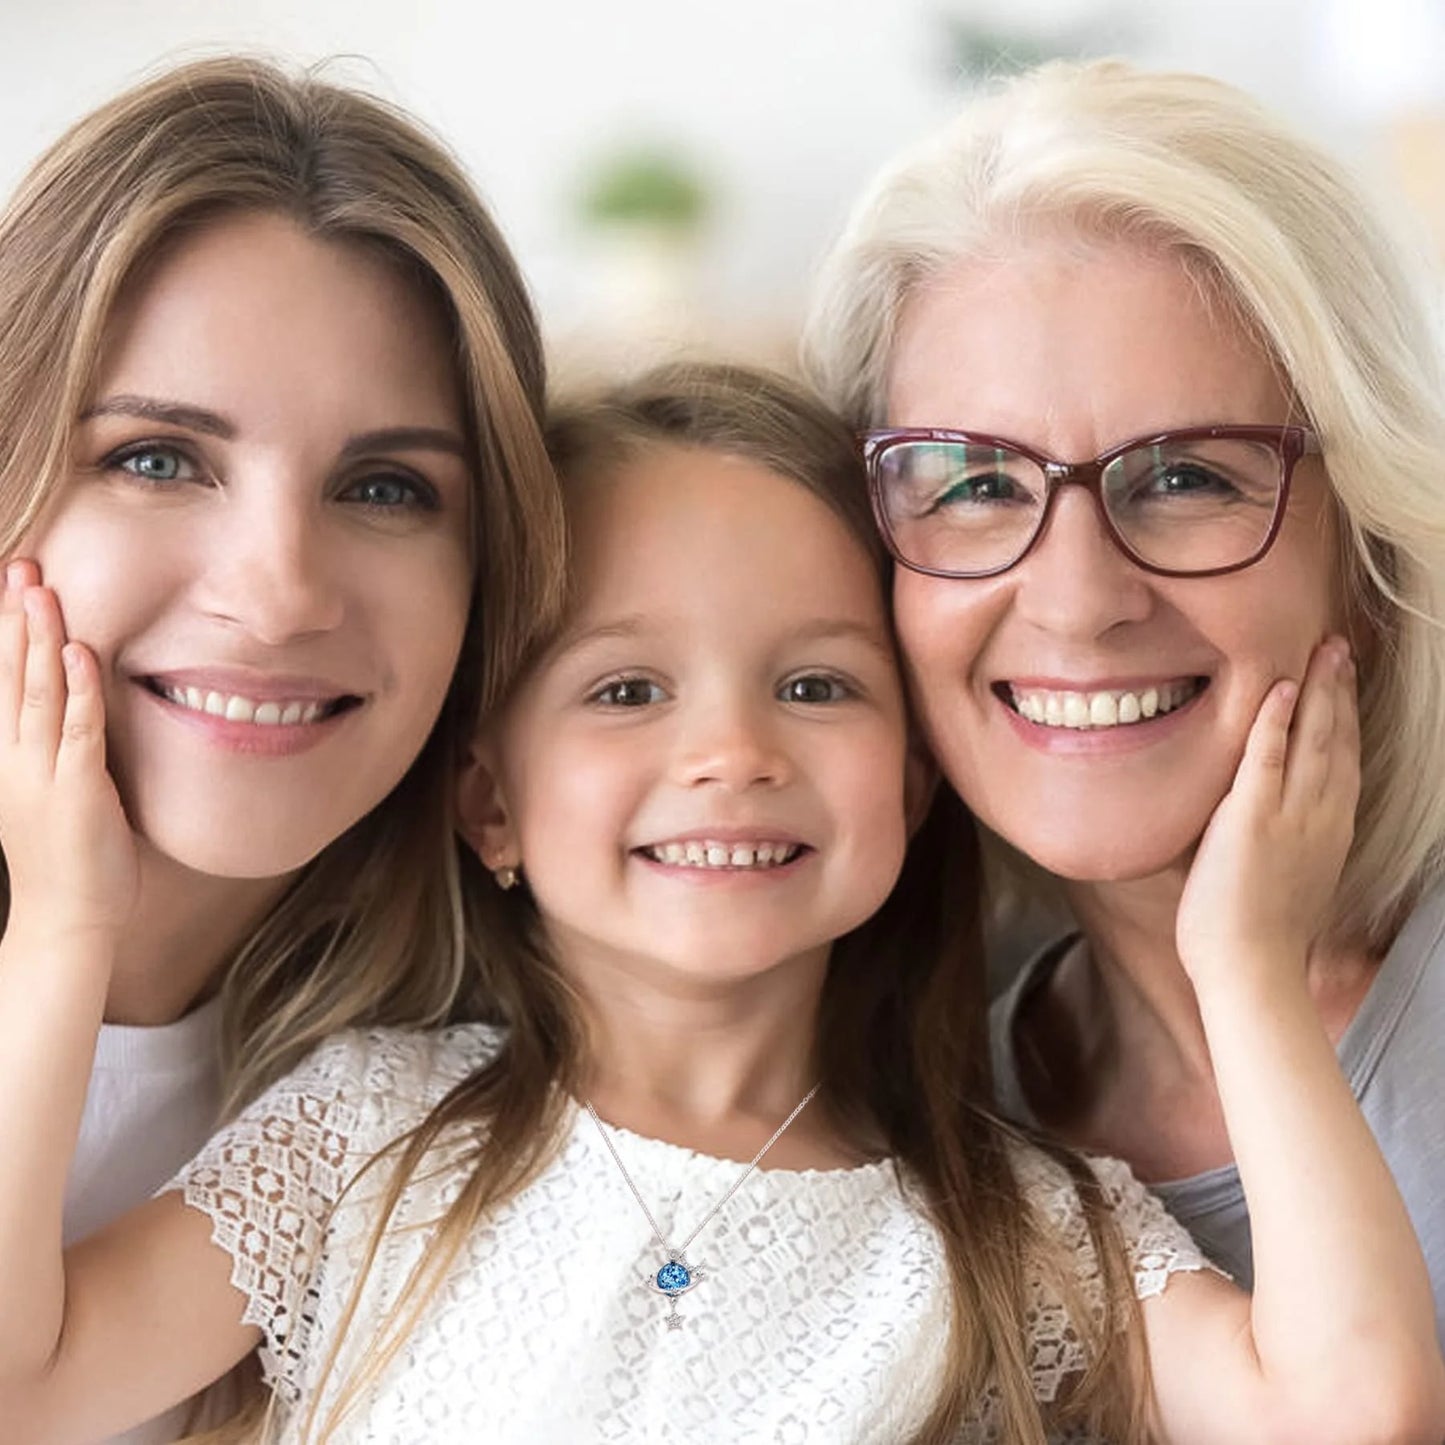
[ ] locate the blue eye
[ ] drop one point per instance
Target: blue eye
(156, 464)
(814, 687)
(629, 692)
(391, 491)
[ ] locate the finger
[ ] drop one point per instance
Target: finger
(1345, 762)
(1260, 778)
(1312, 744)
(82, 730)
(42, 701)
(12, 655)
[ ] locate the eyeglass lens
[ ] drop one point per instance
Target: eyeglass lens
(1187, 505)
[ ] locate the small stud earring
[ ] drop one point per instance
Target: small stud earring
(507, 877)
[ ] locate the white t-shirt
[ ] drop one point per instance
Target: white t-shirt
(153, 1100)
(822, 1315)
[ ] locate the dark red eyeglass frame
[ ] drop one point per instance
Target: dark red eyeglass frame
(1290, 443)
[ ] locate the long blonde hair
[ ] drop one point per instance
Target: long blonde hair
(375, 928)
(1195, 167)
(902, 1056)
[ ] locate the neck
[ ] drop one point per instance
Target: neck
(185, 927)
(1143, 994)
(1141, 987)
(711, 1065)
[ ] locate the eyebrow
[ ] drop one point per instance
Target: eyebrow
(175, 413)
(825, 629)
(199, 419)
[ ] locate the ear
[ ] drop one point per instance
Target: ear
(483, 818)
(921, 780)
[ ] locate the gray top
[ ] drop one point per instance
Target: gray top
(1392, 1053)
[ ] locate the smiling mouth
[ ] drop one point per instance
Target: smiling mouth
(237, 708)
(1104, 708)
(705, 853)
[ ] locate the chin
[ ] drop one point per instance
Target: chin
(1082, 854)
(249, 851)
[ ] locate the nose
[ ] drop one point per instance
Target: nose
(1075, 581)
(729, 743)
(270, 570)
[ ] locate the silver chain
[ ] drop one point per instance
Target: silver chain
(737, 1183)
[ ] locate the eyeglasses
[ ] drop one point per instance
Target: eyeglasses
(1195, 502)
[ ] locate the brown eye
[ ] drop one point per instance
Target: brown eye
(813, 688)
(629, 692)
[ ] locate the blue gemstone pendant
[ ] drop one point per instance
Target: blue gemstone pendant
(675, 1278)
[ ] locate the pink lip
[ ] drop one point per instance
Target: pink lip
(257, 739)
(1096, 742)
(253, 683)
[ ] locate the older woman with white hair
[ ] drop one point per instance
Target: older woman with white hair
(1143, 284)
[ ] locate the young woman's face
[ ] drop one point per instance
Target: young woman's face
(264, 541)
(1072, 350)
(704, 776)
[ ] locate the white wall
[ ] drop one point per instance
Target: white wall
(788, 103)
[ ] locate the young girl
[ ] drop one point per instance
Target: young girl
(715, 1171)
(270, 396)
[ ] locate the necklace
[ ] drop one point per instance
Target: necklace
(677, 1276)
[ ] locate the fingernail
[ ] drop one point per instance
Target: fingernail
(13, 574)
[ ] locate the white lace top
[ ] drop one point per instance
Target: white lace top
(821, 1317)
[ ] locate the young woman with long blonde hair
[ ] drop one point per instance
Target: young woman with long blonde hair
(271, 452)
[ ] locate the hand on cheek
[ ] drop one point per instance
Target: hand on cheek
(68, 848)
(1260, 887)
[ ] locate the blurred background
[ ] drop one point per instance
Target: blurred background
(669, 171)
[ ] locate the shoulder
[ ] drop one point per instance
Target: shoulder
(409, 1063)
(386, 1079)
(1155, 1244)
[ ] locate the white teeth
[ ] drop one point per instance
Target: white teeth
(1113, 707)
(705, 853)
(235, 708)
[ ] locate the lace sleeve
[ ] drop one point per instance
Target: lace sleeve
(268, 1183)
(1155, 1244)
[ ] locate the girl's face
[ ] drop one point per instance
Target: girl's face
(1073, 350)
(264, 541)
(704, 776)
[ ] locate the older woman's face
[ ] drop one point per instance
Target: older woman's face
(1072, 349)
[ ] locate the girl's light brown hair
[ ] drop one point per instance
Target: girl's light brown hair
(375, 928)
(901, 1050)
